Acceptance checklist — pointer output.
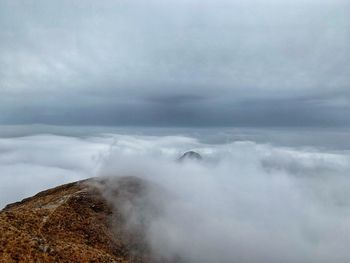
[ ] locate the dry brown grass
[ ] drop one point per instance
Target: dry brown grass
(69, 223)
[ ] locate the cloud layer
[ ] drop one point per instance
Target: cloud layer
(247, 201)
(256, 63)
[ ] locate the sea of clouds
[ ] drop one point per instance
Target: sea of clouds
(245, 202)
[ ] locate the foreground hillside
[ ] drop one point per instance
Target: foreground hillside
(73, 223)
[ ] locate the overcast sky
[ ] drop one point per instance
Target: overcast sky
(175, 63)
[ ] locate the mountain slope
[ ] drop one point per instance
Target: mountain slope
(73, 223)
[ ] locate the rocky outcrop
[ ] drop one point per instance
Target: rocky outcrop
(74, 223)
(190, 155)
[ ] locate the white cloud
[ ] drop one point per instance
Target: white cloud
(246, 202)
(35, 163)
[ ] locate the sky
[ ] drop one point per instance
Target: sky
(175, 63)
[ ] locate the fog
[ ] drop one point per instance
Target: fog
(246, 201)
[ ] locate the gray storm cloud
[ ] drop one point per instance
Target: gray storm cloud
(163, 63)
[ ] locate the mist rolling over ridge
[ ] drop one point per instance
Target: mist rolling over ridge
(246, 201)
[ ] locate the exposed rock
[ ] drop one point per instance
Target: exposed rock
(74, 223)
(191, 155)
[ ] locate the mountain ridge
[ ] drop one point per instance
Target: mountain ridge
(73, 223)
